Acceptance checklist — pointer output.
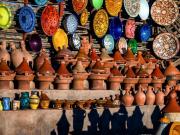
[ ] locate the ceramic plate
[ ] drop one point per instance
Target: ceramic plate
(122, 45)
(84, 17)
(40, 2)
(130, 28)
(145, 32)
(27, 19)
(50, 20)
(97, 4)
(166, 46)
(79, 5)
(144, 10)
(35, 42)
(60, 39)
(132, 7)
(76, 41)
(132, 43)
(100, 23)
(164, 12)
(113, 7)
(71, 23)
(5, 17)
(108, 43)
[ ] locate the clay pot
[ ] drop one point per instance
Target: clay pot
(159, 100)
(157, 73)
(16, 55)
(157, 83)
(86, 44)
(140, 97)
(44, 101)
(150, 67)
(3, 52)
(130, 58)
(104, 56)
(171, 70)
(167, 90)
(150, 96)
(148, 57)
(81, 55)
(118, 58)
(140, 58)
(127, 98)
(34, 101)
(65, 52)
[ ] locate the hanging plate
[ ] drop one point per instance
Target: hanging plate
(108, 43)
(166, 46)
(79, 5)
(132, 7)
(97, 4)
(132, 43)
(5, 17)
(113, 7)
(27, 19)
(100, 23)
(40, 2)
(130, 28)
(60, 39)
(35, 42)
(164, 12)
(84, 17)
(122, 45)
(50, 20)
(71, 23)
(144, 10)
(76, 41)
(145, 32)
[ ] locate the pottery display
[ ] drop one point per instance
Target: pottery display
(24, 100)
(15, 105)
(127, 99)
(159, 100)
(140, 58)
(97, 4)
(130, 58)
(164, 12)
(130, 28)
(166, 46)
(79, 6)
(100, 22)
(44, 101)
(150, 96)
(6, 103)
(3, 52)
(144, 10)
(84, 17)
(113, 7)
(35, 42)
(140, 97)
(34, 100)
(71, 23)
(145, 32)
(121, 45)
(93, 55)
(108, 43)
(132, 7)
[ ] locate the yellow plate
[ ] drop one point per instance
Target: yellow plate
(84, 17)
(113, 7)
(100, 23)
(60, 39)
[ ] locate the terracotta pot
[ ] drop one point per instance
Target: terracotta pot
(150, 67)
(62, 53)
(127, 98)
(159, 100)
(118, 58)
(150, 96)
(86, 44)
(140, 97)
(104, 56)
(157, 83)
(81, 55)
(171, 70)
(140, 58)
(172, 82)
(157, 73)
(44, 101)
(3, 52)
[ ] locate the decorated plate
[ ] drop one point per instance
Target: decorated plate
(108, 43)
(97, 4)
(164, 12)
(122, 45)
(35, 42)
(130, 28)
(145, 32)
(50, 20)
(71, 23)
(76, 41)
(132, 7)
(116, 28)
(144, 10)
(40, 2)
(60, 39)
(113, 7)
(5, 17)
(79, 5)
(84, 17)
(100, 23)
(27, 19)
(166, 46)
(132, 43)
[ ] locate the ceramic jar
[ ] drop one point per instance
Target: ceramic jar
(6, 103)
(1, 105)
(15, 105)
(159, 100)
(127, 98)
(130, 28)
(34, 100)
(140, 97)
(4, 53)
(150, 96)
(24, 100)
(44, 101)
(58, 104)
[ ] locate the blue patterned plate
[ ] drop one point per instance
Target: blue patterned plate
(108, 43)
(71, 23)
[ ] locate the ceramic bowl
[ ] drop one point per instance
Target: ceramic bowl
(132, 43)
(35, 42)
(122, 45)
(75, 41)
(145, 32)
(84, 17)
(113, 7)
(40, 2)
(144, 10)
(71, 23)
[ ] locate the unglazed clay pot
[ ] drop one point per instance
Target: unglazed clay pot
(171, 70)
(118, 58)
(159, 98)
(130, 58)
(140, 97)
(127, 98)
(3, 52)
(93, 54)
(130, 28)
(34, 100)
(140, 58)
(150, 96)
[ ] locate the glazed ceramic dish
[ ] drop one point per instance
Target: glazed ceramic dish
(50, 20)
(130, 28)
(84, 17)
(108, 43)
(76, 41)
(27, 19)
(40, 2)
(113, 7)
(71, 24)
(145, 32)
(97, 4)
(144, 10)
(164, 12)
(132, 7)
(60, 39)
(100, 23)
(35, 42)
(5, 17)
(79, 5)
(122, 45)
(166, 46)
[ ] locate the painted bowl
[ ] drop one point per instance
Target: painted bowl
(145, 32)
(71, 23)
(40, 2)
(144, 10)
(35, 42)
(97, 4)
(113, 7)
(79, 5)
(108, 43)
(116, 28)
(27, 19)
(5, 17)
(132, 7)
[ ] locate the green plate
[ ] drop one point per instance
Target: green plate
(97, 4)
(5, 17)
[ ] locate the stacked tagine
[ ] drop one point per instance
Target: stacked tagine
(130, 58)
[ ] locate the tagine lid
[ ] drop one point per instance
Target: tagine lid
(115, 71)
(130, 73)
(79, 68)
(142, 73)
(157, 72)
(4, 67)
(46, 67)
(81, 55)
(79, 5)
(129, 55)
(171, 70)
(63, 53)
(62, 70)
(140, 58)
(24, 68)
(98, 67)
(118, 57)
(104, 55)
(93, 55)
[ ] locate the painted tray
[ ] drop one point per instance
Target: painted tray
(97, 4)
(79, 5)
(122, 45)
(50, 20)
(100, 23)
(108, 43)
(71, 23)
(5, 17)
(40, 2)
(113, 7)
(27, 19)
(84, 17)
(166, 46)
(60, 39)
(164, 12)
(132, 7)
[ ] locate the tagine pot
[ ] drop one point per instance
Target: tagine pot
(130, 58)
(127, 99)
(159, 100)
(4, 53)
(150, 96)
(34, 100)
(118, 58)
(140, 97)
